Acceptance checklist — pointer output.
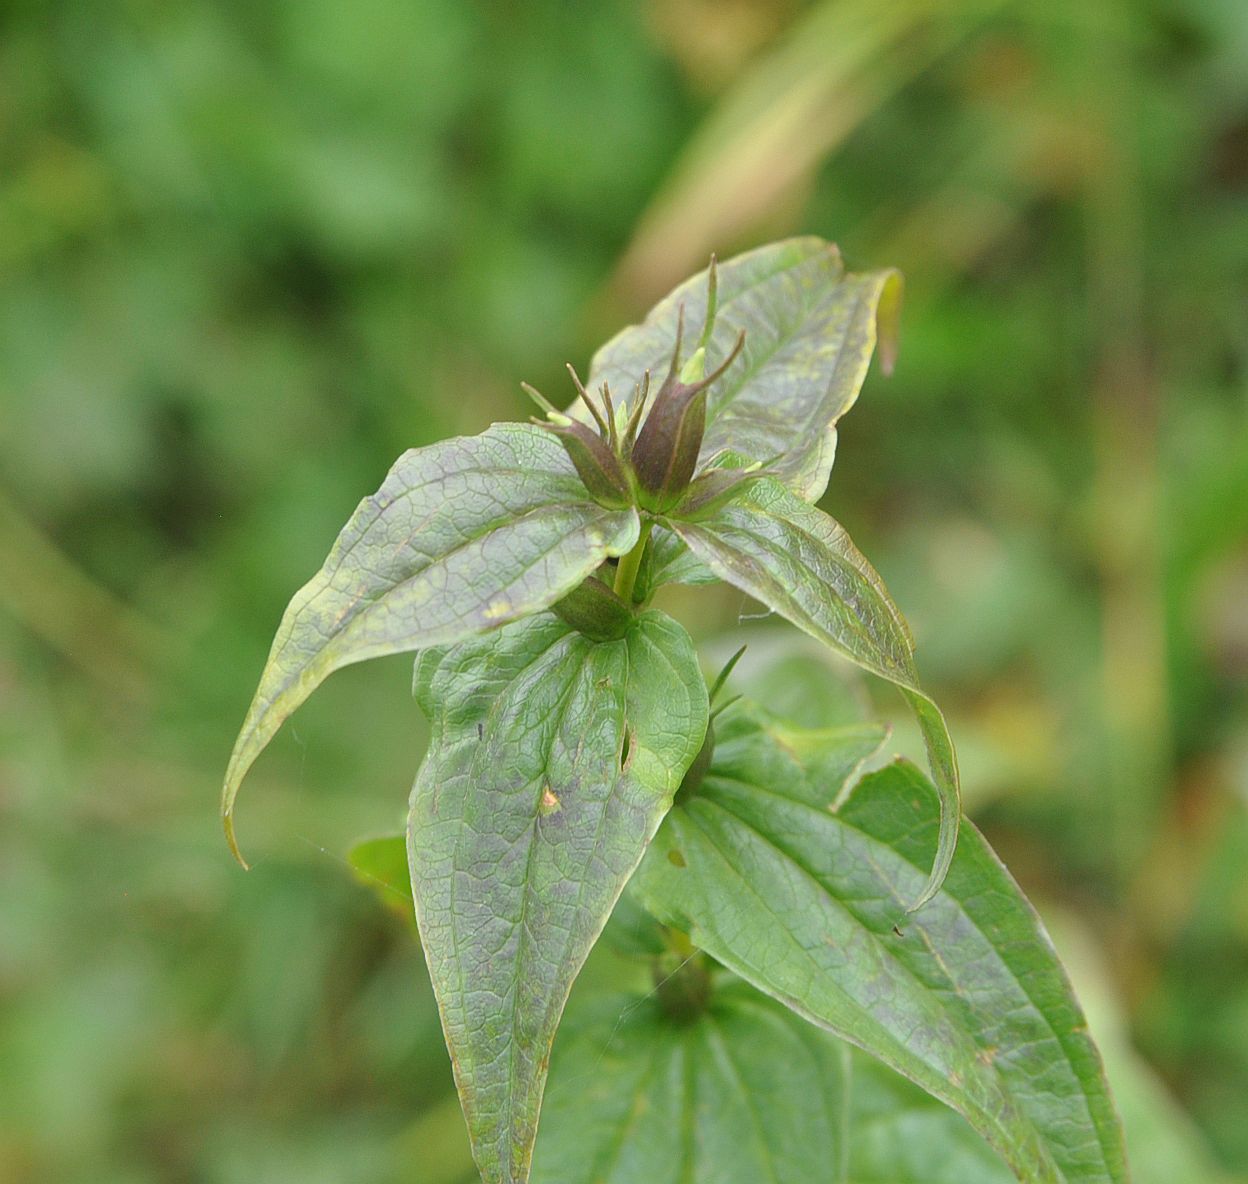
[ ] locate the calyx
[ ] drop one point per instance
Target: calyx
(625, 460)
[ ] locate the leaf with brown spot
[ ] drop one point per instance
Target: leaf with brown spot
(462, 537)
(520, 844)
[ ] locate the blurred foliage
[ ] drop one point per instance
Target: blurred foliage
(250, 252)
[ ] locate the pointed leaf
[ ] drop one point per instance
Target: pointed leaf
(747, 1093)
(462, 537)
(810, 329)
(802, 564)
(553, 760)
(966, 998)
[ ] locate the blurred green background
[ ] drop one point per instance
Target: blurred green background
(249, 252)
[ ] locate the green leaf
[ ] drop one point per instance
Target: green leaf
(810, 327)
(901, 1135)
(381, 864)
(746, 1093)
(553, 760)
(966, 998)
(802, 682)
(802, 564)
(672, 563)
(462, 537)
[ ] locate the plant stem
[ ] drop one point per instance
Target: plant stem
(626, 572)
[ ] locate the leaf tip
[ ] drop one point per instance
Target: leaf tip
(227, 822)
(946, 845)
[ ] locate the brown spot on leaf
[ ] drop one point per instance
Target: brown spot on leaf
(677, 858)
(550, 803)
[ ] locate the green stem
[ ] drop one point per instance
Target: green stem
(626, 572)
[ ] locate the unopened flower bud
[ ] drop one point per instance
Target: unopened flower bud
(599, 468)
(594, 610)
(666, 452)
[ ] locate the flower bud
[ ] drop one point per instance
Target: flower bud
(666, 452)
(599, 468)
(594, 610)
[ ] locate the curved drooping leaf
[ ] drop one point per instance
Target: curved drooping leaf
(462, 537)
(552, 762)
(810, 328)
(966, 998)
(901, 1135)
(803, 565)
(746, 1093)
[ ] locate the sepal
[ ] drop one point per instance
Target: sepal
(594, 610)
(599, 468)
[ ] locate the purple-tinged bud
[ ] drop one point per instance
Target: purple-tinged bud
(666, 453)
(599, 468)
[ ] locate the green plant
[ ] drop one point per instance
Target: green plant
(571, 722)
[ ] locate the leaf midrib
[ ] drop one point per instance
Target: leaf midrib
(524, 938)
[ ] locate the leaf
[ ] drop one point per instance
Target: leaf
(553, 760)
(802, 564)
(900, 1135)
(381, 864)
(462, 537)
(672, 563)
(966, 998)
(810, 327)
(747, 1093)
(802, 682)
(1165, 1145)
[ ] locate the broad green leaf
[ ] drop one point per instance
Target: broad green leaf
(810, 327)
(966, 998)
(802, 564)
(746, 1093)
(553, 760)
(901, 1135)
(462, 537)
